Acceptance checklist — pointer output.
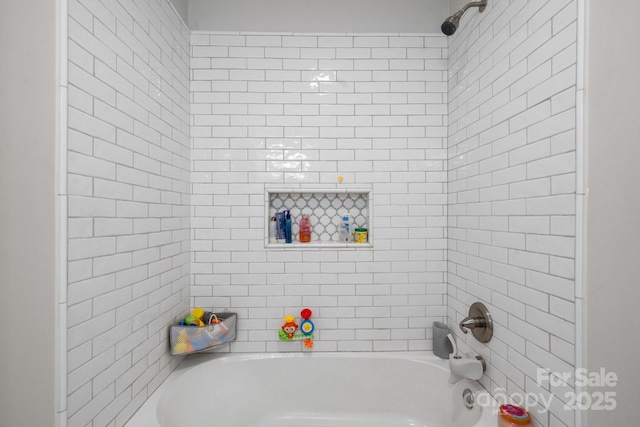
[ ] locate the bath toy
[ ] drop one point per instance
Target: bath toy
(306, 326)
(289, 326)
(182, 347)
(183, 337)
(209, 318)
(206, 316)
(201, 341)
(287, 332)
(195, 318)
(196, 322)
(284, 337)
(222, 327)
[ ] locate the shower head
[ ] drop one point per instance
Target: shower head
(450, 25)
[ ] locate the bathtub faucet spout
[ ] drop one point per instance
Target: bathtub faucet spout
(466, 366)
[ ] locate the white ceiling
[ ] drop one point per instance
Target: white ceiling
(363, 16)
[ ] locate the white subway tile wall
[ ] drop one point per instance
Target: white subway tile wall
(297, 111)
(174, 136)
(511, 176)
(128, 175)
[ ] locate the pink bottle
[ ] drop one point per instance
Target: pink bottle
(305, 229)
(513, 416)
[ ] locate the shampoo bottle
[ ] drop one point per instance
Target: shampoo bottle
(344, 234)
(280, 220)
(348, 225)
(305, 229)
(287, 227)
(273, 230)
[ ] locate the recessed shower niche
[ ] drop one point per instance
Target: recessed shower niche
(326, 208)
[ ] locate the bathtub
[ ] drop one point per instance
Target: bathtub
(314, 390)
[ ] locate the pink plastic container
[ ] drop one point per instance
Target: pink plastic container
(305, 229)
(513, 416)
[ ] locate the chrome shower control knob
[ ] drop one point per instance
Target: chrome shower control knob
(479, 321)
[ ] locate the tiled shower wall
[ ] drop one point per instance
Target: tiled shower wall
(128, 184)
(297, 111)
(512, 185)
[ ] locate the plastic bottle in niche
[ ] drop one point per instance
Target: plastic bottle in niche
(288, 227)
(281, 225)
(342, 233)
(348, 227)
(305, 229)
(345, 234)
(273, 230)
(360, 235)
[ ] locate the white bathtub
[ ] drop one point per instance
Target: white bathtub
(314, 390)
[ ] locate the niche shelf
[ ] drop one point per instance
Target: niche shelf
(325, 207)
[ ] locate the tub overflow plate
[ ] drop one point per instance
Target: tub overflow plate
(468, 399)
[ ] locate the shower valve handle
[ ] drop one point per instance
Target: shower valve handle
(471, 323)
(479, 322)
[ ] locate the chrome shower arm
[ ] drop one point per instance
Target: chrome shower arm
(450, 25)
(481, 4)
